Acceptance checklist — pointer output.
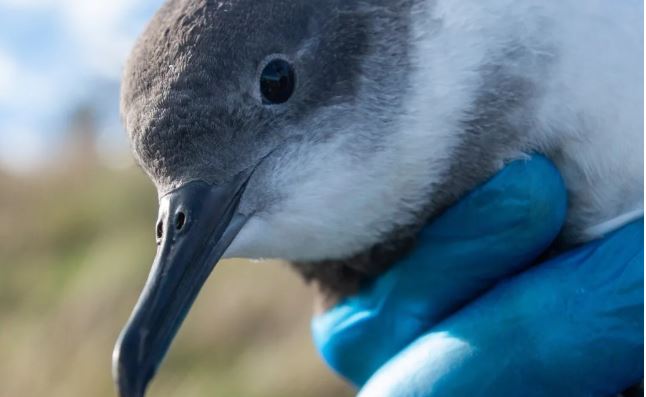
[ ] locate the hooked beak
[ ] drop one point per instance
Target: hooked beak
(197, 222)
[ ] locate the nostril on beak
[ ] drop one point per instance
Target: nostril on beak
(180, 220)
(160, 231)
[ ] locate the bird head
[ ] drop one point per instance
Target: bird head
(268, 128)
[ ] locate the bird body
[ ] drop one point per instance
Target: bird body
(560, 78)
(490, 82)
(390, 111)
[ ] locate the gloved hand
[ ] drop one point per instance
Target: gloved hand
(455, 317)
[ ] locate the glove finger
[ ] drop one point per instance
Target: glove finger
(496, 230)
(570, 327)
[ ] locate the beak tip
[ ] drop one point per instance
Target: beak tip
(127, 371)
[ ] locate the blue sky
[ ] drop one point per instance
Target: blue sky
(54, 55)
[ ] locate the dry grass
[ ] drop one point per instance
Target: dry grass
(75, 248)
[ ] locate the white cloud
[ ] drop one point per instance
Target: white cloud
(88, 41)
(101, 31)
(25, 4)
(25, 90)
(9, 72)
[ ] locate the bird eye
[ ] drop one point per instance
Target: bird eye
(277, 81)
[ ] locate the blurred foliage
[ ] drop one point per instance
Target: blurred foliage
(75, 248)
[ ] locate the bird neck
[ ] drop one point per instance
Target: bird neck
(461, 120)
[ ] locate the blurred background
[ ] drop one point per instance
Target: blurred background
(76, 231)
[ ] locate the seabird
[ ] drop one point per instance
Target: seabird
(326, 133)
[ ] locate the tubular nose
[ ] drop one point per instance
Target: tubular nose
(174, 224)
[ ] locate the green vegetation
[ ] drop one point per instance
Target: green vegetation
(75, 249)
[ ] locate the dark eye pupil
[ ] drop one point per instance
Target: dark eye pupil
(277, 82)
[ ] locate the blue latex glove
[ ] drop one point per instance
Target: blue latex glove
(572, 326)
